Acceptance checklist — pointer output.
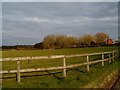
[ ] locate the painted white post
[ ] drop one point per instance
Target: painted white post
(102, 59)
(18, 71)
(64, 70)
(88, 69)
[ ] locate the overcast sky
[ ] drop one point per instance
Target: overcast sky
(29, 23)
(60, 0)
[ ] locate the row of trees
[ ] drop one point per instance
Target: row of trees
(64, 41)
(18, 47)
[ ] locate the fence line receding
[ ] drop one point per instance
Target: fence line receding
(111, 57)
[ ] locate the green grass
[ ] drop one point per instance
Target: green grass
(76, 77)
(24, 53)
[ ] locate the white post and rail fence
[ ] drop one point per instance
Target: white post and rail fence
(111, 57)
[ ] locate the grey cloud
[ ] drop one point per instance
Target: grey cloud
(60, 0)
(35, 20)
(61, 9)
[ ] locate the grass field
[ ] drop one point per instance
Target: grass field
(76, 77)
(21, 53)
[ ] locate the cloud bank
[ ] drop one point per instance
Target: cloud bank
(29, 22)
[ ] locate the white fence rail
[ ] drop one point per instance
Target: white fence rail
(64, 67)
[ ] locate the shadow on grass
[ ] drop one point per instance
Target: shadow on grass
(55, 74)
(48, 73)
(44, 73)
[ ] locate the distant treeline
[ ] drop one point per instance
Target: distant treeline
(19, 47)
(64, 41)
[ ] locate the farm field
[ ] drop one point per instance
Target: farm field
(76, 77)
(25, 53)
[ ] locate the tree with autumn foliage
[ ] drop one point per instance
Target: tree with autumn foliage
(100, 37)
(64, 41)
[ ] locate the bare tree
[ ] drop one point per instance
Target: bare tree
(48, 41)
(86, 39)
(63, 41)
(100, 37)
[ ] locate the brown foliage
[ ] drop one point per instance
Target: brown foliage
(100, 37)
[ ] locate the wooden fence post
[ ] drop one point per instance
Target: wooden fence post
(18, 71)
(109, 59)
(113, 56)
(64, 70)
(102, 59)
(88, 69)
(28, 61)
